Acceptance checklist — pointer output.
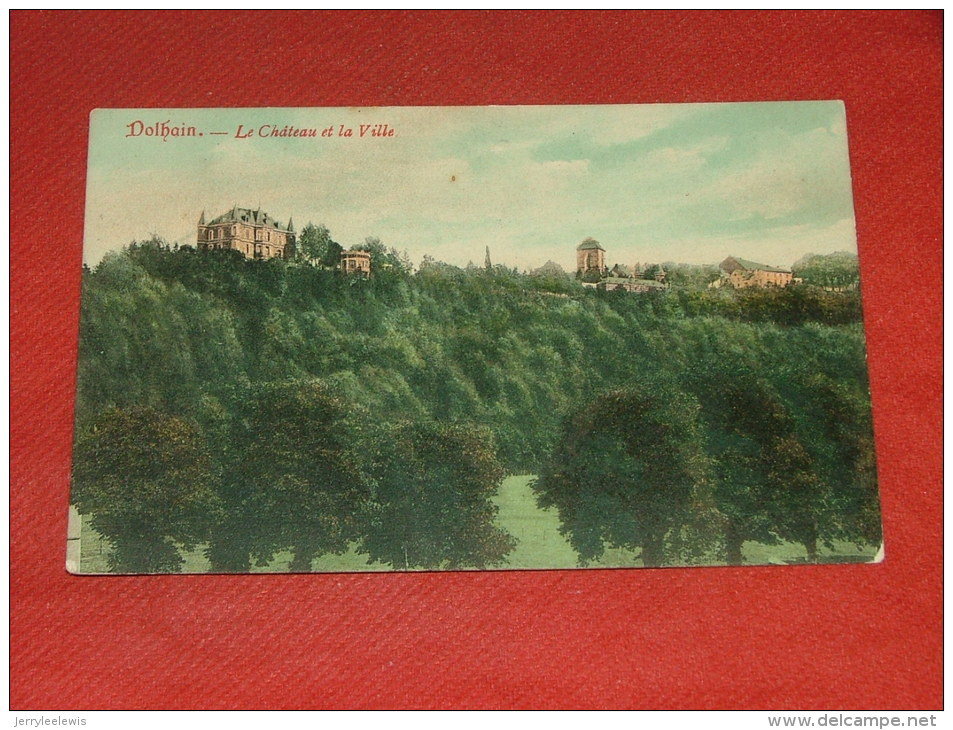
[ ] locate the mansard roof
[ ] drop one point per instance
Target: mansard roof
(247, 215)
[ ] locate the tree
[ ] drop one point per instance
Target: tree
(146, 480)
(839, 436)
(383, 258)
(295, 480)
(799, 503)
(433, 486)
(316, 244)
(375, 247)
(626, 471)
(743, 421)
(838, 271)
(772, 451)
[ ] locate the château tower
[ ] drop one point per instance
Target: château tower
(590, 258)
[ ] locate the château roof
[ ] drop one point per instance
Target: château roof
(247, 215)
(733, 262)
(589, 243)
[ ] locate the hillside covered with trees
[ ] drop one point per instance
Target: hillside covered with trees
(245, 408)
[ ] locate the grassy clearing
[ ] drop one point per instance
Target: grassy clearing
(540, 545)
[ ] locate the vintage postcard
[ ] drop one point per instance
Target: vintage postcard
(458, 338)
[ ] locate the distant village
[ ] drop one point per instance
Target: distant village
(738, 273)
(256, 235)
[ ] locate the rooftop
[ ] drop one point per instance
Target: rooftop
(589, 243)
(749, 265)
(247, 215)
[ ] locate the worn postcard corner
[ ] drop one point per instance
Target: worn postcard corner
(393, 339)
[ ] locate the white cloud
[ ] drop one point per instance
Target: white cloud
(621, 125)
(796, 173)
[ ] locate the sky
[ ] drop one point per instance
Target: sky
(691, 183)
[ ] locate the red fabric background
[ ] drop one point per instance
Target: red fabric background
(824, 637)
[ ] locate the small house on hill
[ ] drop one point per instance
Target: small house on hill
(740, 273)
(356, 262)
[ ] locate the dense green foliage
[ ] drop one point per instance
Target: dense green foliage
(147, 480)
(626, 470)
(433, 485)
(316, 245)
(224, 343)
(293, 478)
(837, 271)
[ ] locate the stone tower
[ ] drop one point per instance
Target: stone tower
(590, 258)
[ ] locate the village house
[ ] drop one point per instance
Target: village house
(254, 234)
(741, 273)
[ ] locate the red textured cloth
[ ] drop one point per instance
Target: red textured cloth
(812, 637)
